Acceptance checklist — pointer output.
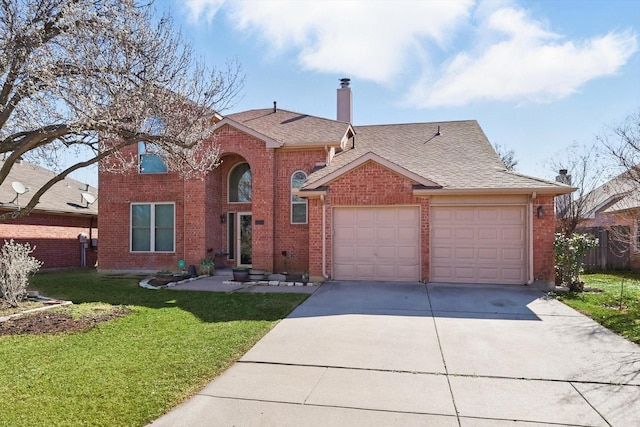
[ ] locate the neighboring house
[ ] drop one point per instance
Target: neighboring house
(403, 202)
(612, 211)
(59, 220)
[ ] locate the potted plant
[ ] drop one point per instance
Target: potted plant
(207, 266)
(240, 274)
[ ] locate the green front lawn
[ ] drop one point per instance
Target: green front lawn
(620, 314)
(131, 370)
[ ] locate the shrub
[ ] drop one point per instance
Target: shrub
(16, 265)
(570, 250)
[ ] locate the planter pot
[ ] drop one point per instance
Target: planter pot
(240, 275)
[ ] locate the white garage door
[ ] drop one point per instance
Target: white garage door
(478, 244)
(377, 243)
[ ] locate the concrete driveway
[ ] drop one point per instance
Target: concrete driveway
(409, 354)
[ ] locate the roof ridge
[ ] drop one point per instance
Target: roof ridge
(286, 111)
(417, 123)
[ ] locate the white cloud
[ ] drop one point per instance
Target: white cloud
(203, 9)
(529, 63)
(360, 38)
(509, 56)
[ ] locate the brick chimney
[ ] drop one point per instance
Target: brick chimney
(563, 202)
(345, 101)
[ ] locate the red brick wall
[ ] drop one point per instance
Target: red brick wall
(543, 236)
(55, 237)
(292, 238)
(370, 184)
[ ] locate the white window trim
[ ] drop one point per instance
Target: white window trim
(297, 202)
(152, 236)
(229, 184)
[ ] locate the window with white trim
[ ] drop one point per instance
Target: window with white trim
(152, 227)
(240, 183)
(298, 204)
(150, 159)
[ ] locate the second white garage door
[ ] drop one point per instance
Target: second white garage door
(376, 243)
(480, 244)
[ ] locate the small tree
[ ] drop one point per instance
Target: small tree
(16, 265)
(570, 251)
(584, 171)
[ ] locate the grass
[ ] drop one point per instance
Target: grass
(130, 370)
(619, 313)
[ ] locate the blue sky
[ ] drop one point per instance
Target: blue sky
(538, 76)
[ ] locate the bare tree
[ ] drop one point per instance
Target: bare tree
(622, 143)
(580, 167)
(507, 156)
(83, 75)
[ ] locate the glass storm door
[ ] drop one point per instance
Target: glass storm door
(244, 239)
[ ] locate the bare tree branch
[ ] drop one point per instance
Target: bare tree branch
(85, 74)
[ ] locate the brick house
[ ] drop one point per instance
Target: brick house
(612, 212)
(65, 212)
(294, 192)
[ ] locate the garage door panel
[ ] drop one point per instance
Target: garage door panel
(385, 233)
(345, 252)
(464, 233)
(463, 216)
(408, 253)
(479, 244)
(464, 253)
(385, 243)
(364, 216)
(487, 254)
(488, 273)
(442, 233)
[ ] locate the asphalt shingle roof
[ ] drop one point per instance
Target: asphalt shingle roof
(64, 197)
(459, 158)
(292, 128)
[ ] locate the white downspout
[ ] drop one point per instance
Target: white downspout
(324, 238)
(530, 215)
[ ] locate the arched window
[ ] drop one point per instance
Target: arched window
(298, 204)
(240, 183)
(149, 158)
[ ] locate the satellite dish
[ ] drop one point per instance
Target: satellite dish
(19, 187)
(89, 198)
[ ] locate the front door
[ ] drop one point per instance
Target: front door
(244, 239)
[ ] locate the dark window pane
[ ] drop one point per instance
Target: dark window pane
(141, 239)
(299, 213)
(240, 183)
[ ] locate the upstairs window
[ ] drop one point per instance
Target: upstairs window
(298, 204)
(240, 183)
(149, 158)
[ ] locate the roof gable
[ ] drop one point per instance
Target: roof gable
(287, 128)
(372, 157)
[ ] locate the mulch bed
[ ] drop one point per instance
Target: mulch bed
(55, 321)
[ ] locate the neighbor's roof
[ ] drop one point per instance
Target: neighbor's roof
(618, 194)
(290, 128)
(458, 158)
(65, 197)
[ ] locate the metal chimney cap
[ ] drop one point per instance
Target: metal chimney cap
(344, 82)
(563, 171)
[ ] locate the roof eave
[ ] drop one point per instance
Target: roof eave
(421, 192)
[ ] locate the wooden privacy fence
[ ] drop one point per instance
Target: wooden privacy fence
(613, 252)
